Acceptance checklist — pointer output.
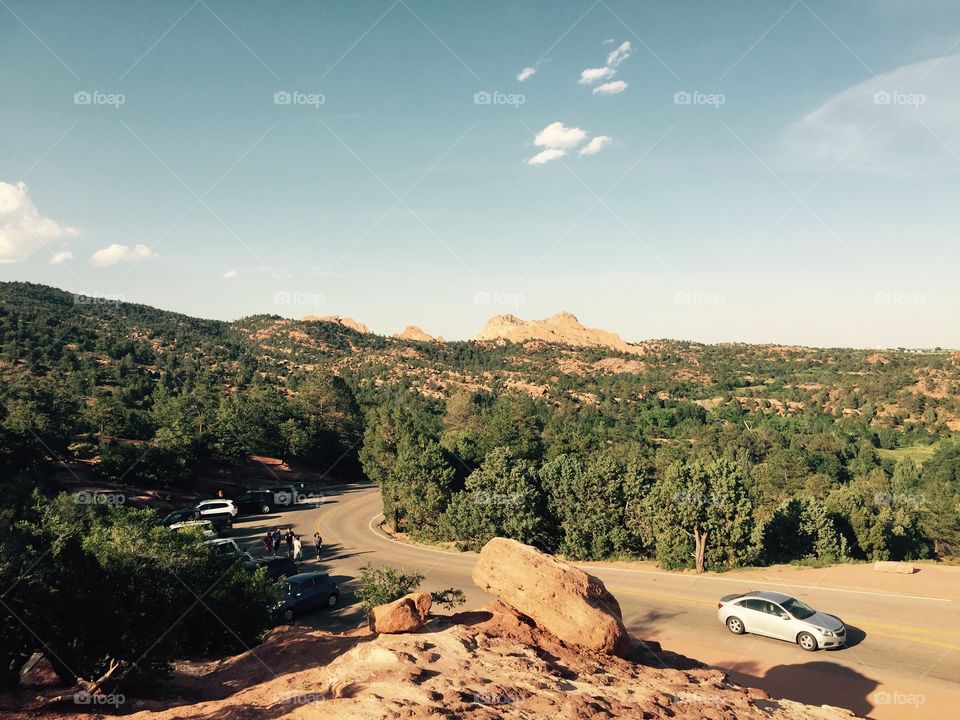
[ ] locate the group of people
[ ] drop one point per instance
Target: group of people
(272, 540)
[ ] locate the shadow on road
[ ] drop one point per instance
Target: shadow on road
(819, 682)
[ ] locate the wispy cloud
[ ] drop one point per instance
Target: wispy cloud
(22, 228)
(592, 75)
(902, 123)
(611, 88)
(526, 74)
(113, 254)
(595, 145)
(546, 156)
(619, 55)
(229, 274)
(61, 257)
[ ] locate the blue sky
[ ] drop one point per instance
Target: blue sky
(763, 171)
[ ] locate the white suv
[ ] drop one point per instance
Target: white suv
(216, 507)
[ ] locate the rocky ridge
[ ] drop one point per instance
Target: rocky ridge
(562, 328)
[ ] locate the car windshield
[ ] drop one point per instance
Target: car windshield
(798, 609)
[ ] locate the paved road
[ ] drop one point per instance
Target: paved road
(903, 659)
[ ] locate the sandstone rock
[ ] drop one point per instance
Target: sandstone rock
(412, 332)
(38, 672)
(562, 328)
(342, 321)
(890, 566)
(559, 598)
(408, 614)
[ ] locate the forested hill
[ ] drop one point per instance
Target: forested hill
(152, 395)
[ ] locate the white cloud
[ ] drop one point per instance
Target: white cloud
(619, 55)
(546, 156)
(896, 124)
(112, 254)
(526, 74)
(61, 257)
(592, 75)
(22, 228)
(595, 145)
(230, 274)
(611, 88)
(558, 136)
(609, 41)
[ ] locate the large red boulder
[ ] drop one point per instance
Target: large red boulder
(561, 599)
(408, 614)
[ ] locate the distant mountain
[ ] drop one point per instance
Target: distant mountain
(342, 321)
(562, 328)
(412, 332)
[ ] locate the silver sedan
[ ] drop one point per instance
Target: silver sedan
(781, 616)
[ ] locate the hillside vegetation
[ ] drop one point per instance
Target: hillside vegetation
(715, 455)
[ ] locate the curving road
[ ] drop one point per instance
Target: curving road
(903, 659)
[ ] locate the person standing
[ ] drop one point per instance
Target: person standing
(268, 543)
(318, 543)
(289, 538)
(297, 548)
(276, 541)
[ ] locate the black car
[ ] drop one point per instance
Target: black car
(277, 567)
(304, 592)
(308, 490)
(223, 521)
(254, 502)
(179, 516)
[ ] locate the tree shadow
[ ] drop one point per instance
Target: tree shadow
(818, 682)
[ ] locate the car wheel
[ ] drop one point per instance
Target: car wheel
(288, 615)
(333, 600)
(735, 625)
(264, 508)
(807, 641)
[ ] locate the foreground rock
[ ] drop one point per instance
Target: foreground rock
(408, 614)
(480, 665)
(561, 599)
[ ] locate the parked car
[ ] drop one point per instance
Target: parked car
(223, 521)
(277, 567)
(308, 491)
(255, 501)
(304, 592)
(783, 617)
(216, 506)
(178, 516)
(206, 528)
(284, 495)
(229, 550)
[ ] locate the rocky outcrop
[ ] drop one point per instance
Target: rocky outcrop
(412, 332)
(892, 566)
(561, 599)
(480, 665)
(562, 328)
(408, 614)
(341, 321)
